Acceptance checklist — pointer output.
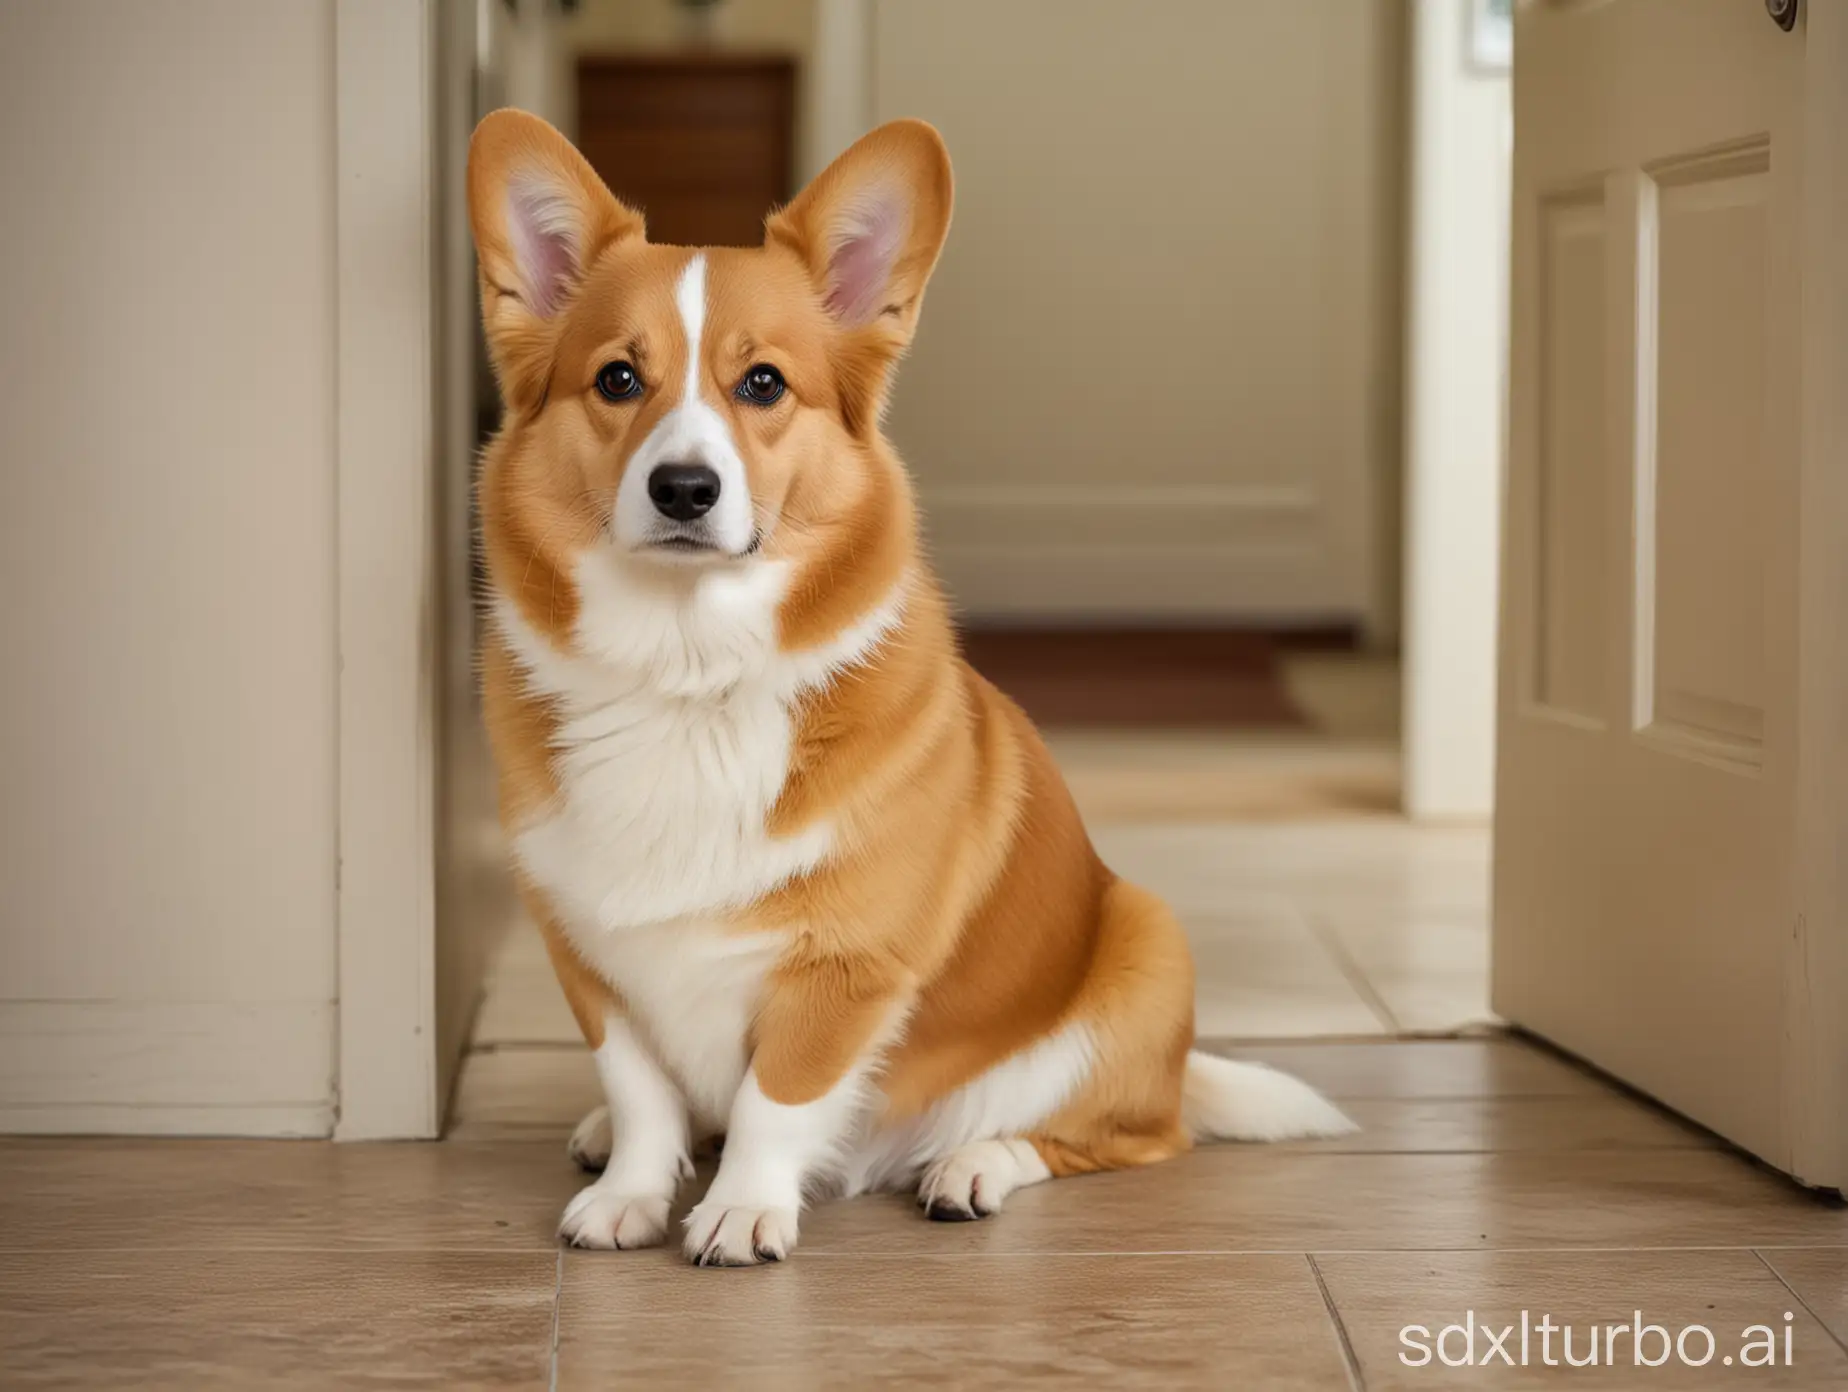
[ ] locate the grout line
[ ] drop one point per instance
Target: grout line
(558, 1301)
(1331, 943)
(1795, 1295)
(1356, 1380)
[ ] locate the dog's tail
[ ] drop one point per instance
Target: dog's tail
(1226, 1100)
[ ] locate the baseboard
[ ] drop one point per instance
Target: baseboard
(270, 1123)
(167, 1068)
(1302, 634)
(1043, 583)
(1235, 554)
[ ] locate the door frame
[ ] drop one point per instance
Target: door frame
(1455, 415)
(388, 648)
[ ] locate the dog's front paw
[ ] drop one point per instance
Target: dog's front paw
(720, 1234)
(602, 1218)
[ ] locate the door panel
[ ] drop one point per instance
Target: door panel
(1700, 588)
(1648, 731)
(1570, 674)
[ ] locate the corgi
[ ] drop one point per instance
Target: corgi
(808, 882)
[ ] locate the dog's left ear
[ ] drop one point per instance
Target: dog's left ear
(869, 229)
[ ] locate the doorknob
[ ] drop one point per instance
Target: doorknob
(1783, 13)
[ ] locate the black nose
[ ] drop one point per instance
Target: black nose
(683, 491)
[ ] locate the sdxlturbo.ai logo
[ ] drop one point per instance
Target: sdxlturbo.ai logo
(1527, 1343)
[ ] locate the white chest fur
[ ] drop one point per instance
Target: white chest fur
(675, 724)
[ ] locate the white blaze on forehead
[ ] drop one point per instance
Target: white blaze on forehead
(694, 431)
(690, 298)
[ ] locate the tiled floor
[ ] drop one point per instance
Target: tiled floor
(1344, 765)
(1490, 1178)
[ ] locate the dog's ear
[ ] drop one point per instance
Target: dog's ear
(541, 218)
(869, 229)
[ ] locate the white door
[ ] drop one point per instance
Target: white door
(1668, 901)
(1147, 378)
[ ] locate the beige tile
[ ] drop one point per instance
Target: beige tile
(1164, 776)
(1491, 1067)
(521, 1000)
(1345, 694)
(524, 1012)
(1387, 866)
(1378, 1295)
(506, 1092)
(139, 1194)
(646, 1320)
(1253, 1198)
(1337, 1010)
(1437, 874)
(1819, 1275)
(1437, 1007)
(1528, 1123)
(1393, 851)
(310, 1320)
(1428, 966)
(1391, 941)
(1265, 974)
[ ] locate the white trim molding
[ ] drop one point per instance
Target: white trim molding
(385, 101)
(1456, 335)
(165, 1068)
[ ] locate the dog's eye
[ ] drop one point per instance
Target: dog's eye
(616, 381)
(762, 385)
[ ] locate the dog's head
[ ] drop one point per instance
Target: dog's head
(685, 410)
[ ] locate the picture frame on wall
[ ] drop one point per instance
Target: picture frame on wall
(1488, 38)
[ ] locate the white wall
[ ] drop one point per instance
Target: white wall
(1455, 374)
(167, 722)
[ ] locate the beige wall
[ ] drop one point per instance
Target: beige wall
(1156, 375)
(167, 860)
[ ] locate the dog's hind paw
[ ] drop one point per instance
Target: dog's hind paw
(589, 1146)
(972, 1180)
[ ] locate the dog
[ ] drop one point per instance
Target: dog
(809, 883)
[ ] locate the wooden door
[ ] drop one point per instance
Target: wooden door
(703, 144)
(1668, 848)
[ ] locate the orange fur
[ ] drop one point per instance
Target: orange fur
(963, 892)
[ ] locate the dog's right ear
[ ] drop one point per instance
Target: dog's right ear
(541, 218)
